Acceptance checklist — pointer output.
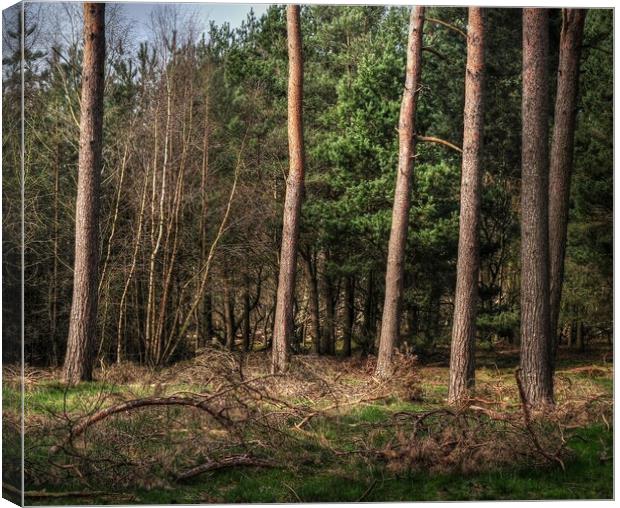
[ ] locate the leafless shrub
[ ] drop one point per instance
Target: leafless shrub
(161, 432)
(474, 439)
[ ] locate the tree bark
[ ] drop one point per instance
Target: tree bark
(369, 323)
(402, 198)
(53, 295)
(580, 342)
(349, 314)
(205, 318)
(570, 335)
(561, 160)
(313, 304)
(326, 295)
(247, 328)
(535, 324)
(208, 319)
(79, 358)
(462, 356)
(229, 315)
(283, 319)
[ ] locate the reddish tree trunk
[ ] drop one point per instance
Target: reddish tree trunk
(535, 325)
(283, 319)
(462, 357)
(79, 358)
(561, 161)
(390, 323)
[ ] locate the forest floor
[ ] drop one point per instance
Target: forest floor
(328, 432)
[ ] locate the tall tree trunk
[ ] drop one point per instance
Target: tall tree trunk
(313, 303)
(137, 237)
(535, 326)
(462, 357)
(229, 315)
(153, 340)
(330, 317)
(580, 343)
(283, 319)
(53, 298)
(570, 334)
(83, 322)
(369, 323)
(326, 296)
(349, 313)
(247, 328)
(402, 198)
(561, 160)
(208, 317)
(205, 318)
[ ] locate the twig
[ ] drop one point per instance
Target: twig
(435, 52)
(293, 491)
(367, 491)
(528, 425)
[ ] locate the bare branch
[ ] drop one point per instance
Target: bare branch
(449, 26)
(432, 139)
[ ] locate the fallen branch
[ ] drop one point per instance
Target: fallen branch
(494, 415)
(530, 430)
(337, 405)
(214, 465)
(76, 493)
(128, 406)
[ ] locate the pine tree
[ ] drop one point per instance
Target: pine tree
(283, 320)
(561, 159)
(79, 358)
(462, 358)
(402, 198)
(536, 371)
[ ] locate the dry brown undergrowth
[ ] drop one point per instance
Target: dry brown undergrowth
(226, 410)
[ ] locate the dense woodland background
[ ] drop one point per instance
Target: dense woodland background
(194, 164)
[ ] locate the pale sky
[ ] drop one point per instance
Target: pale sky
(206, 12)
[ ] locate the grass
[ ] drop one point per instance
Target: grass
(588, 476)
(311, 474)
